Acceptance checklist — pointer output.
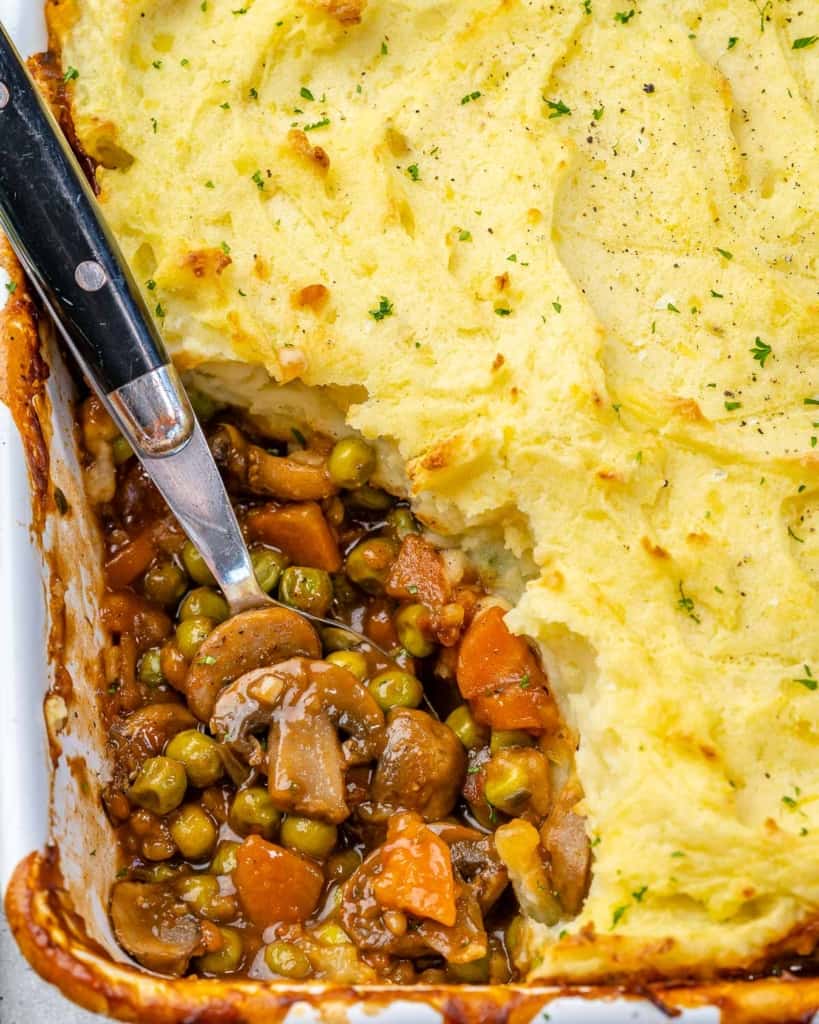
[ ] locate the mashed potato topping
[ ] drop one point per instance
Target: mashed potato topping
(564, 256)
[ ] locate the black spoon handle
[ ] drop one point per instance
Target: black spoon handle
(53, 222)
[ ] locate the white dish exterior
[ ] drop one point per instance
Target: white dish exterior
(24, 783)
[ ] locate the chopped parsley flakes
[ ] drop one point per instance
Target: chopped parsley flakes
(624, 17)
(804, 41)
(761, 351)
(258, 180)
(470, 97)
(71, 74)
(808, 680)
(305, 93)
(558, 108)
(617, 916)
(317, 124)
(383, 310)
(686, 604)
(724, 253)
(413, 172)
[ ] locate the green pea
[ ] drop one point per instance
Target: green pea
(342, 865)
(150, 671)
(200, 756)
(335, 639)
(400, 522)
(286, 959)
(121, 450)
(331, 934)
(198, 891)
(203, 894)
(195, 565)
(396, 689)
(353, 661)
(469, 732)
(503, 738)
(351, 462)
(224, 860)
(313, 838)
(225, 960)
(204, 603)
(158, 872)
(190, 635)
(476, 972)
(369, 563)
(309, 590)
(160, 785)
(164, 583)
(508, 785)
(411, 623)
(193, 832)
(268, 566)
(252, 811)
(369, 499)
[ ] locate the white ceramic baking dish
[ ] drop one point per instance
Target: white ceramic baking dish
(39, 802)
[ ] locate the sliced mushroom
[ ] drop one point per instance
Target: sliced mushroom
(518, 846)
(305, 702)
(565, 839)
(153, 926)
(285, 477)
(245, 642)
(422, 768)
(305, 769)
(476, 860)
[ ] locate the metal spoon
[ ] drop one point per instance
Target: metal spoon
(56, 228)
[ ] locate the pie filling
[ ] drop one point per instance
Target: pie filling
(291, 802)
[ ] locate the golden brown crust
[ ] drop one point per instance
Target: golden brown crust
(56, 946)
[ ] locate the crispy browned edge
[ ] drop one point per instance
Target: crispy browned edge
(54, 943)
(54, 940)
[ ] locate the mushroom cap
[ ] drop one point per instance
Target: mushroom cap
(154, 926)
(247, 641)
(305, 702)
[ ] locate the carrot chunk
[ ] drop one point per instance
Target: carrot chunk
(513, 708)
(417, 574)
(300, 531)
(500, 676)
(491, 658)
(417, 874)
(275, 885)
(131, 560)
